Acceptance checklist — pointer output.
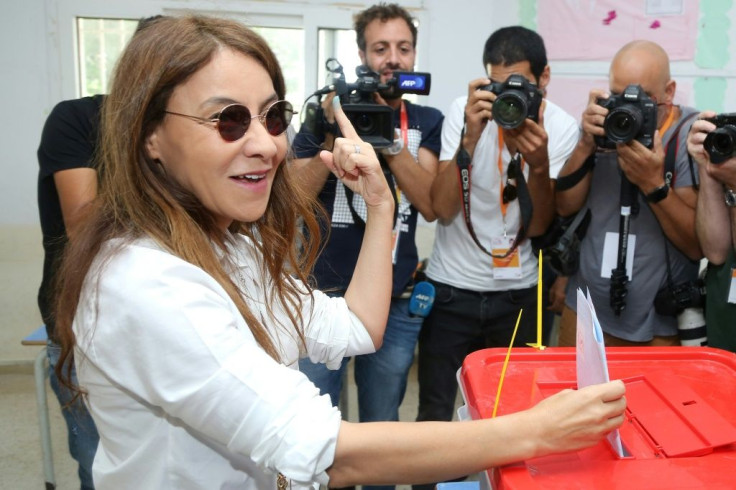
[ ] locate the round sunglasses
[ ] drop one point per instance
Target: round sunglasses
(509, 189)
(234, 120)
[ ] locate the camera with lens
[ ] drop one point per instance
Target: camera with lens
(560, 244)
(672, 300)
(372, 121)
(517, 99)
(632, 115)
(721, 142)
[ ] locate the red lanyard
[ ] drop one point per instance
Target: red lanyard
(404, 122)
(404, 125)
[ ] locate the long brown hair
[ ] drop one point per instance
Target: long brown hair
(137, 199)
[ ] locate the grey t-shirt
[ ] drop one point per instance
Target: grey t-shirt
(638, 321)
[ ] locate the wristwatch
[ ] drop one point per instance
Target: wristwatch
(396, 147)
(658, 194)
(730, 197)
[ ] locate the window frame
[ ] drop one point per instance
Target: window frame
(63, 61)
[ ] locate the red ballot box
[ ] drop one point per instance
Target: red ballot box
(680, 427)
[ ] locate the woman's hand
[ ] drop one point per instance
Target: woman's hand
(355, 163)
(572, 420)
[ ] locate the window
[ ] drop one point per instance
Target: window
(100, 42)
(288, 45)
(339, 44)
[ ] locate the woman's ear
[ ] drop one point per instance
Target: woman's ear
(152, 146)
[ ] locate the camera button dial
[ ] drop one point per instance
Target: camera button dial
(730, 197)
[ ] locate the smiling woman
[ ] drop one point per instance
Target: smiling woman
(185, 298)
(232, 181)
(195, 212)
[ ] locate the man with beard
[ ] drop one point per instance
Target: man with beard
(386, 37)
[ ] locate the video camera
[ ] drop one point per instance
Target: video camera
(372, 121)
(721, 142)
(516, 99)
(631, 115)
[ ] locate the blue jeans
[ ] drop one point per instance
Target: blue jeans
(81, 429)
(461, 322)
(380, 377)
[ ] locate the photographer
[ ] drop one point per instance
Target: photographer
(386, 38)
(478, 297)
(716, 230)
(661, 225)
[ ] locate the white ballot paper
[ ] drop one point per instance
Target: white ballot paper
(591, 355)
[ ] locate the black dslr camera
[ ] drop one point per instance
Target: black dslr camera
(632, 115)
(372, 121)
(516, 99)
(721, 142)
(671, 301)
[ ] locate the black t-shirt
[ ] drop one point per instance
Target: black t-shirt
(68, 141)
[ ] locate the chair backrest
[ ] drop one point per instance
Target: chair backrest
(37, 337)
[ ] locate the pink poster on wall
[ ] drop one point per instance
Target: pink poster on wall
(596, 29)
(572, 93)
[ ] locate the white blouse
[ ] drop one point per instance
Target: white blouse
(182, 395)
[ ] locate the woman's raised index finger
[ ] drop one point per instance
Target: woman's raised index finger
(346, 127)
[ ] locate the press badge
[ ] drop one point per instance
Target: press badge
(508, 267)
(732, 289)
(610, 255)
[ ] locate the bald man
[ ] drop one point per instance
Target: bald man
(662, 240)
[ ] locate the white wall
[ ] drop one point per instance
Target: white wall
(24, 97)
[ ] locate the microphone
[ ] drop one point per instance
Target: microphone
(338, 85)
(422, 299)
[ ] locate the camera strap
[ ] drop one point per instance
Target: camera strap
(571, 180)
(349, 195)
(670, 157)
(464, 168)
(671, 148)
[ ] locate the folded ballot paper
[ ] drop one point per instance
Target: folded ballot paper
(591, 355)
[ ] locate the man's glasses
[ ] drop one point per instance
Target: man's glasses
(234, 120)
(509, 189)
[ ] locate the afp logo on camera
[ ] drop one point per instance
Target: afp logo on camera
(412, 82)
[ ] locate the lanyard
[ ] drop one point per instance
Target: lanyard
(404, 124)
(464, 168)
(404, 117)
(668, 122)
